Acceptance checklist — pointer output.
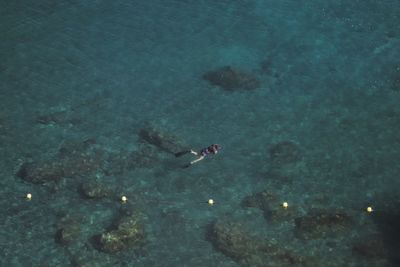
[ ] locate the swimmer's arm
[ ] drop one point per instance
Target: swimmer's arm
(196, 160)
(193, 152)
(193, 162)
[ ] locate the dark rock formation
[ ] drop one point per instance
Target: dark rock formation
(146, 156)
(395, 79)
(285, 152)
(396, 83)
(370, 247)
(68, 163)
(53, 171)
(270, 205)
(266, 66)
(233, 241)
(231, 79)
(94, 189)
(60, 117)
(286, 164)
(261, 200)
(127, 233)
(3, 122)
(387, 221)
(40, 173)
(52, 118)
(319, 224)
(161, 139)
(68, 230)
(67, 234)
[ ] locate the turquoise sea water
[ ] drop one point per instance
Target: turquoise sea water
(80, 80)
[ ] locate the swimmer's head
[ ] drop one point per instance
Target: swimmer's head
(215, 148)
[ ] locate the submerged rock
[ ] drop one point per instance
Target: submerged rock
(68, 230)
(60, 118)
(4, 123)
(146, 156)
(43, 172)
(233, 241)
(285, 152)
(68, 163)
(370, 247)
(68, 233)
(395, 79)
(322, 223)
(94, 189)
(128, 232)
(231, 79)
(52, 118)
(161, 139)
(40, 173)
(286, 162)
(271, 206)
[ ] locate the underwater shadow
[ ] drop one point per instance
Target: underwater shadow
(388, 222)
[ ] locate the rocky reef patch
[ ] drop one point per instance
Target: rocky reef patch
(231, 239)
(231, 79)
(127, 232)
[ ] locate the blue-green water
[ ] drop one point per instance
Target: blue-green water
(83, 78)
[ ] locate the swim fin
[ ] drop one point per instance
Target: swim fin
(186, 166)
(182, 153)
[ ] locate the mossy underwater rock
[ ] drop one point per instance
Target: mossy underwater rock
(395, 79)
(233, 241)
(322, 223)
(68, 233)
(127, 233)
(54, 170)
(53, 118)
(40, 173)
(68, 163)
(285, 162)
(145, 156)
(68, 230)
(232, 79)
(271, 206)
(162, 139)
(285, 152)
(372, 246)
(94, 189)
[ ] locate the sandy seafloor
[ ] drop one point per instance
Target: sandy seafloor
(329, 75)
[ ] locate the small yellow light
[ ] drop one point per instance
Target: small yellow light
(29, 196)
(210, 201)
(124, 199)
(285, 205)
(370, 209)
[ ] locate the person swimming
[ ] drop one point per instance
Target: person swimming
(212, 149)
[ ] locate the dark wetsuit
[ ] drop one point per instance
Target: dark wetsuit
(209, 150)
